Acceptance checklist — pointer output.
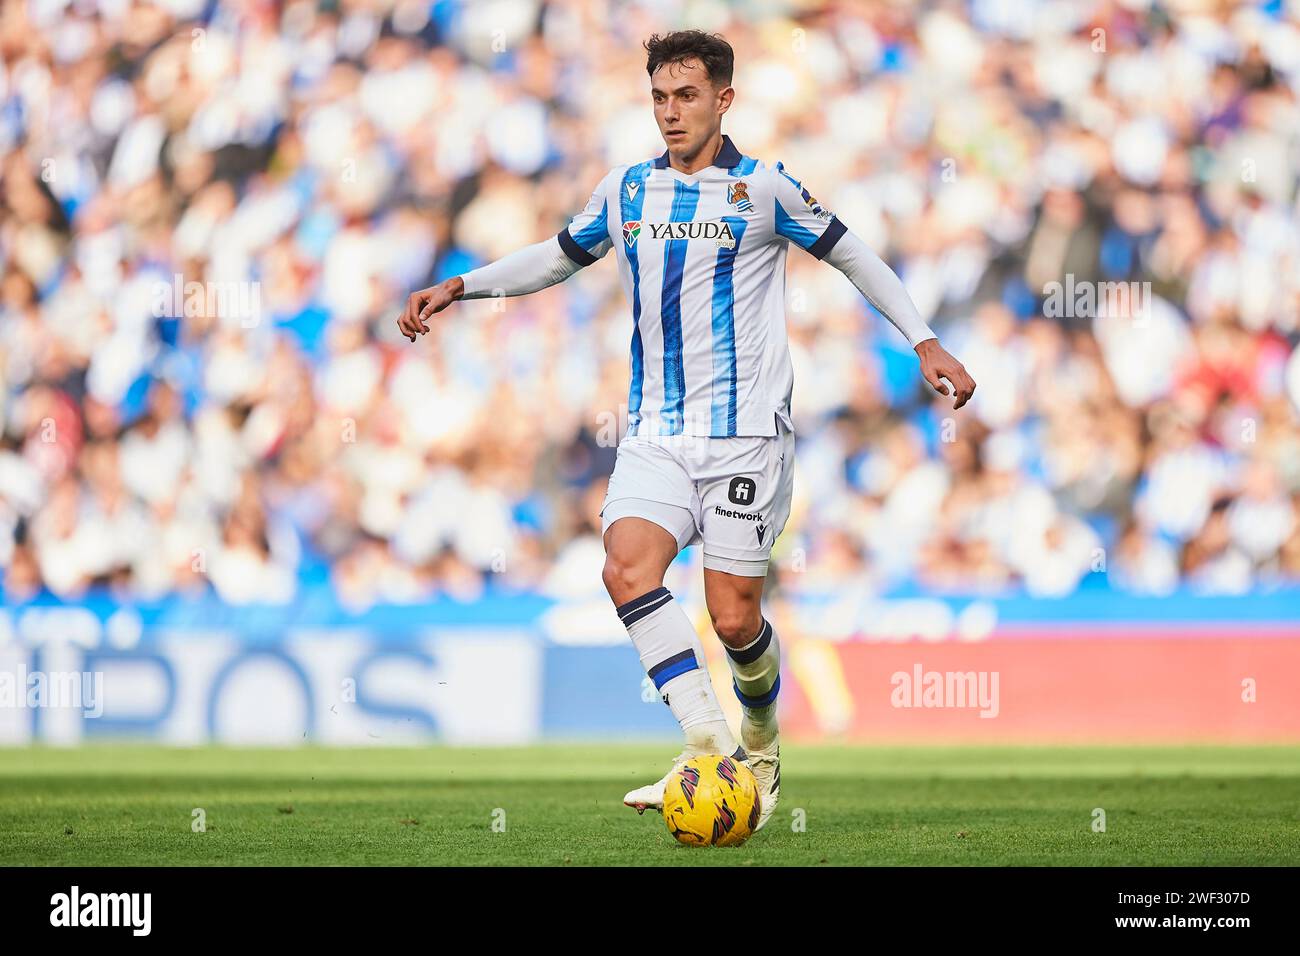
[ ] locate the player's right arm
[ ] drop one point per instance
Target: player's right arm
(530, 269)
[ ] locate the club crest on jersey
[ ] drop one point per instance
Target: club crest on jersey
(738, 196)
(631, 229)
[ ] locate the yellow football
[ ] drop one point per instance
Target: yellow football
(711, 801)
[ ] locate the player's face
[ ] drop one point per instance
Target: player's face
(688, 107)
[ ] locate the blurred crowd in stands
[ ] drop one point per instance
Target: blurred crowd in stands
(212, 213)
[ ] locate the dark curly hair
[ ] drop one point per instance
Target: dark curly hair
(709, 48)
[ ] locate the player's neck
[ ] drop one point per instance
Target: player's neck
(702, 159)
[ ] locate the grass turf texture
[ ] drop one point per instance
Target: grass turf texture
(562, 805)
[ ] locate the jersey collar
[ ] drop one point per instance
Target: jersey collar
(727, 157)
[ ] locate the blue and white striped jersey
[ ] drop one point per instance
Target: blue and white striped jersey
(702, 259)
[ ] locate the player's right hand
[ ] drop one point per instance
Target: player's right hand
(937, 364)
(426, 303)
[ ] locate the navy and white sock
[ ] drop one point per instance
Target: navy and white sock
(756, 676)
(673, 657)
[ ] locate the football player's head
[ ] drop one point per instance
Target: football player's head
(690, 81)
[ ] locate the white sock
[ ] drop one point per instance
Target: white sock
(756, 674)
(672, 655)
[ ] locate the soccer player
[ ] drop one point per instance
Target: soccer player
(701, 235)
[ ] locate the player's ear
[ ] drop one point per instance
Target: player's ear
(725, 96)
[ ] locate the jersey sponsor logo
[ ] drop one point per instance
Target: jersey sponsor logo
(738, 196)
(719, 231)
(741, 490)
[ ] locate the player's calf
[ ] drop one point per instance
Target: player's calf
(756, 676)
(672, 656)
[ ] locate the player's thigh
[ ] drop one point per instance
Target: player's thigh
(648, 516)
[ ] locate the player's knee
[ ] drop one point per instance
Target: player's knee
(737, 626)
(627, 578)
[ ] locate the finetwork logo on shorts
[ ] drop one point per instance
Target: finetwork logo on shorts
(760, 530)
(742, 490)
(102, 909)
(722, 512)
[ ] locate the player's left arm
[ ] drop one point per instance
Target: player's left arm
(881, 287)
(803, 221)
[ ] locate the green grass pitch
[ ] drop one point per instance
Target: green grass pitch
(134, 805)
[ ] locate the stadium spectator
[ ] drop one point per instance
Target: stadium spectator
(211, 211)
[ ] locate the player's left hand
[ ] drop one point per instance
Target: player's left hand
(423, 305)
(937, 364)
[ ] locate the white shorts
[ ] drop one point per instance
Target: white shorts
(732, 494)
